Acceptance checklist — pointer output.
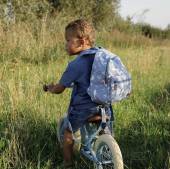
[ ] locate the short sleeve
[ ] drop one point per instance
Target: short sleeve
(70, 75)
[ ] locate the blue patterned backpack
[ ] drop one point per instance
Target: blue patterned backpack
(110, 81)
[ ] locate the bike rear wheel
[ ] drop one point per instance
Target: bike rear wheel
(108, 153)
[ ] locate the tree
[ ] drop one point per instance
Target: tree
(168, 27)
(9, 12)
(101, 12)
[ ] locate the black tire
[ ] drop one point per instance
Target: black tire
(108, 153)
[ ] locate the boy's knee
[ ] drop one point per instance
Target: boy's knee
(68, 141)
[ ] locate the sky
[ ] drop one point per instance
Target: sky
(154, 12)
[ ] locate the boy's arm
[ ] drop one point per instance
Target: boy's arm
(70, 75)
(54, 88)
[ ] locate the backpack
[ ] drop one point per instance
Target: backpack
(110, 81)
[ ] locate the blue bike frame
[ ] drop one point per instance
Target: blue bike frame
(90, 133)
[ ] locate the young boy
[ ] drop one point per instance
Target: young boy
(80, 37)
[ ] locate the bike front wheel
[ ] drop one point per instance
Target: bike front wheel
(108, 153)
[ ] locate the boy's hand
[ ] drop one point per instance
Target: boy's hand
(49, 88)
(52, 88)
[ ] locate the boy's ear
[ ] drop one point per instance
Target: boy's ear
(82, 41)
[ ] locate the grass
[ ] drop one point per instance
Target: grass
(28, 116)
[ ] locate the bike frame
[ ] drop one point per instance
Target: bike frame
(90, 137)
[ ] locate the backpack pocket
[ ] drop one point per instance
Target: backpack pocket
(99, 93)
(119, 89)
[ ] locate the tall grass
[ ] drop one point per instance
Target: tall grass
(32, 54)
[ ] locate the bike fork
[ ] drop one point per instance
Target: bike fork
(91, 156)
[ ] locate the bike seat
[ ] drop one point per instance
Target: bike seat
(96, 118)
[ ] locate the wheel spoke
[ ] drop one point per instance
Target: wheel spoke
(105, 156)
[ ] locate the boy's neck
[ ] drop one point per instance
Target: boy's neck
(84, 51)
(86, 48)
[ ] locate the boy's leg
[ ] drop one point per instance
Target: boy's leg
(68, 147)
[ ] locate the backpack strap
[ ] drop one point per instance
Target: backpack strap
(90, 51)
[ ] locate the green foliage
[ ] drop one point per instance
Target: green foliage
(32, 53)
(99, 11)
(144, 29)
(28, 10)
(103, 13)
(28, 117)
(150, 31)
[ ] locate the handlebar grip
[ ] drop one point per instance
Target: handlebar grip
(45, 88)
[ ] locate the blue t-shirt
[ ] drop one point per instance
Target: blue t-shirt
(78, 74)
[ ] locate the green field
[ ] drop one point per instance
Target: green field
(28, 116)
